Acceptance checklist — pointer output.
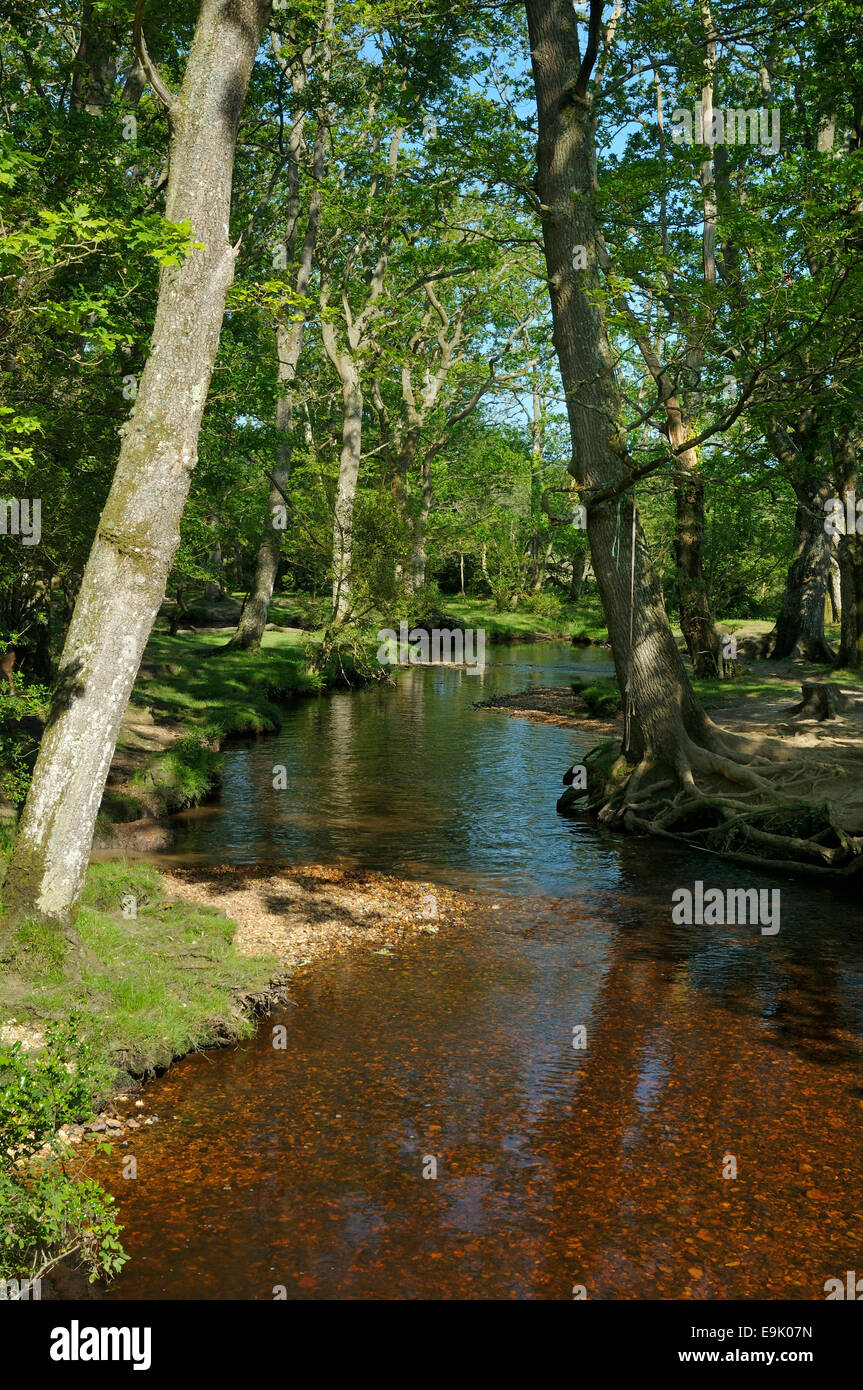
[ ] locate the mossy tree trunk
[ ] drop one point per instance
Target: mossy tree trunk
(139, 530)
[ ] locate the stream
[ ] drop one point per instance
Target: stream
(435, 1127)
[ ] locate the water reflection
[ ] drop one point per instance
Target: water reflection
(414, 780)
(709, 1049)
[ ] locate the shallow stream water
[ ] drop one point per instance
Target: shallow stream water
(431, 1130)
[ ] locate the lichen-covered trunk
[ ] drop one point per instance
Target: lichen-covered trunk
(649, 667)
(799, 628)
(138, 534)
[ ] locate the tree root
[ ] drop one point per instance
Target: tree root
(754, 801)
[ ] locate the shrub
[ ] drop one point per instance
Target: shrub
(49, 1213)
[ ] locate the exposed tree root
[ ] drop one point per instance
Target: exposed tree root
(755, 801)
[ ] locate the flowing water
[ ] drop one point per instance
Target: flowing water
(435, 1127)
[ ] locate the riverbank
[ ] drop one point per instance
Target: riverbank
(178, 963)
(187, 959)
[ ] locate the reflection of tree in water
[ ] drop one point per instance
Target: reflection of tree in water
(805, 985)
(671, 1083)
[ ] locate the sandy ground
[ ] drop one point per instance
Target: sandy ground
(318, 911)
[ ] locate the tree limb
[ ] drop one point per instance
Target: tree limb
(166, 97)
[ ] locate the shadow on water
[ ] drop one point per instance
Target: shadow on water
(709, 1050)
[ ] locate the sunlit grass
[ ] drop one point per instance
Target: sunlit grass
(168, 978)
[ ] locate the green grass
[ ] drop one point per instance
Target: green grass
(713, 694)
(583, 619)
(601, 697)
(182, 681)
(166, 980)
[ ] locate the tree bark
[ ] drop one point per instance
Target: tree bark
(418, 557)
(95, 66)
(139, 530)
(346, 487)
(289, 343)
(799, 628)
(850, 555)
(835, 589)
(662, 712)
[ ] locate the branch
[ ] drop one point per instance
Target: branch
(167, 98)
(590, 53)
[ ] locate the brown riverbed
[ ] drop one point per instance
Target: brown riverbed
(307, 1168)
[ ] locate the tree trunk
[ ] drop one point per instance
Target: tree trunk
(662, 712)
(835, 589)
(95, 66)
(139, 531)
(420, 527)
(346, 487)
(850, 554)
(289, 343)
(799, 628)
(213, 586)
(696, 615)
(576, 583)
(256, 610)
(848, 655)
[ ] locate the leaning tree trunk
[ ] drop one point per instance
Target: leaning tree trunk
(799, 628)
(139, 530)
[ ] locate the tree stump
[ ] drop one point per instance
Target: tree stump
(821, 700)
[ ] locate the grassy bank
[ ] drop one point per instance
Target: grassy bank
(189, 697)
(163, 978)
(556, 621)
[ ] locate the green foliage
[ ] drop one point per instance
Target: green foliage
(39, 1094)
(49, 1212)
(22, 716)
(602, 698)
